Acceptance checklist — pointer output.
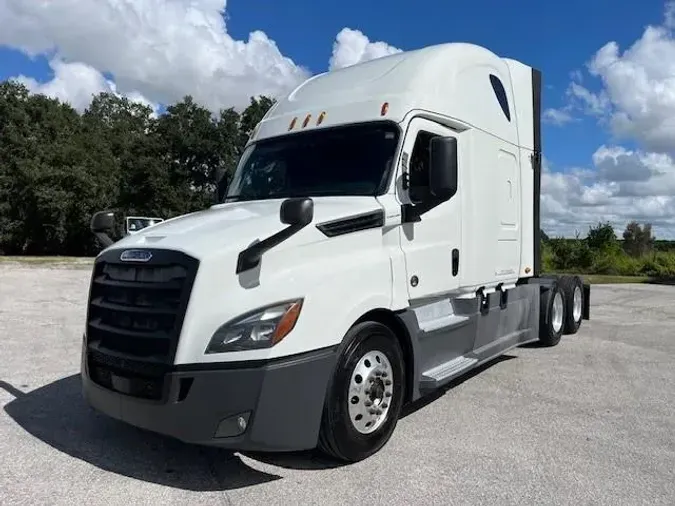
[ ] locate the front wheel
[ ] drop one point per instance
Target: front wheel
(365, 397)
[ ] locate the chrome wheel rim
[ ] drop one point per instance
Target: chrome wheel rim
(557, 312)
(576, 308)
(371, 389)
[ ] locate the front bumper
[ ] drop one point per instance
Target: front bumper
(281, 402)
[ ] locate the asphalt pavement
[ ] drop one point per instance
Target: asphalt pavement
(591, 421)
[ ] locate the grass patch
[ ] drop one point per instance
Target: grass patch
(46, 261)
(602, 279)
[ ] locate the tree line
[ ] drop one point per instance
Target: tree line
(58, 167)
(636, 253)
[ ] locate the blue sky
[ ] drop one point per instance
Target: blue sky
(556, 38)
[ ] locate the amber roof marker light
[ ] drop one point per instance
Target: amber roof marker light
(292, 125)
(322, 116)
(306, 122)
(385, 109)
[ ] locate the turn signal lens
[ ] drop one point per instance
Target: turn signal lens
(287, 322)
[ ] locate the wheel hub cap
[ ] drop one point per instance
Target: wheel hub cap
(557, 312)
(370, 392)
(576, 311)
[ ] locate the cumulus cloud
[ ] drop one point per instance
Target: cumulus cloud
(631, 93)
(636, 99)
(76, 83)
(622, 185)
(557, 117)
(352, 47)
(161, 49)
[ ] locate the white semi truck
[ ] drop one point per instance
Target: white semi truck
(379, 238)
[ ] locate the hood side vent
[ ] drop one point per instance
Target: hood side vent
(365, 221)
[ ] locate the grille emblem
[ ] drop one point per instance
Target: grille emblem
(135, 255)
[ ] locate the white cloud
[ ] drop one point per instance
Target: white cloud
(557, 117)
(352, 47)
(633, 97)
(76, 83)
(159, 50)
(622, 186)
(636, 99)
(162, 49)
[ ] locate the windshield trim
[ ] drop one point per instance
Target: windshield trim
(386, 176)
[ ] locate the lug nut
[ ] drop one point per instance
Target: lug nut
(387, 394)
(388, 382)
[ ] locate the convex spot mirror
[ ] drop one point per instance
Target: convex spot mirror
(297, 211)
(443, 174)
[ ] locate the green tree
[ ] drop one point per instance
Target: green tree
(638, 240)
(602, 238)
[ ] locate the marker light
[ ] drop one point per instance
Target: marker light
(304, 123)
(292, 125)
(385, 109)
(321, 117)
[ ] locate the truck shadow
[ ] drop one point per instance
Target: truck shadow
(58, 415)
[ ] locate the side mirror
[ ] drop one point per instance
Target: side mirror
(297, 211)
(443, 174)
(102, 221)
(102, 225)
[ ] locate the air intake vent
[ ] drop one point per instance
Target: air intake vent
(352, 224)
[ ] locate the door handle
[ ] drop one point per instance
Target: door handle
(455, 261)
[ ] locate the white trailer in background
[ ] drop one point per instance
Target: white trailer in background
(379, 238)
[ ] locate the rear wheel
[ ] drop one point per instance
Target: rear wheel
(365, 396)
(552, 315)
(574, 302)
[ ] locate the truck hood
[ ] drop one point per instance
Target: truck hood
(234, 226)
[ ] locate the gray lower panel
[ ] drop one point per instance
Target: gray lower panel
(472, 336)
(281, 402)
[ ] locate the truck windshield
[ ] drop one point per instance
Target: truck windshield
(348, 160)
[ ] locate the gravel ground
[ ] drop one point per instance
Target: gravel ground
(591, 421)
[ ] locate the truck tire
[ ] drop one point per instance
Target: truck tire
(552, 314)
(573, 289)
(365, 395)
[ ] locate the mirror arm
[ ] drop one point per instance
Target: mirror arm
(412, 213)
(104, 238)
(250, 257)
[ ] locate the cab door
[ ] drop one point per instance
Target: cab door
(431, 243)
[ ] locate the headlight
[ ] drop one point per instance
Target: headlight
(262, 329)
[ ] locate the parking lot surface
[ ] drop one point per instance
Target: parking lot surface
(591, 421)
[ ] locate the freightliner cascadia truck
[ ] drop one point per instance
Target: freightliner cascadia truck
(380, 236)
